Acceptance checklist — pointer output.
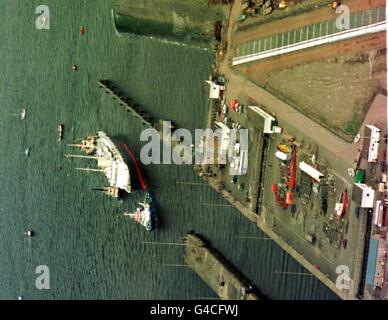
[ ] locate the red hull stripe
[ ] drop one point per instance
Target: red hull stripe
(143, 185)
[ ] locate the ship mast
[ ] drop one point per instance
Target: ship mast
(22, 114)
(90, 169)
(82, 157)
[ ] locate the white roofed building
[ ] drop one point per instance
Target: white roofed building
(269, 121)
(363, 195)
(312, 172)
(374, 139)
(216, 90)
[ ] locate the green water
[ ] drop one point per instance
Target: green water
(90, 253)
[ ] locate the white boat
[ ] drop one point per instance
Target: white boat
(113, 163)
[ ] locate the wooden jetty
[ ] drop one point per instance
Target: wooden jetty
(126, 102)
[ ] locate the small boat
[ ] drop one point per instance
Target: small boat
(22, 114)
(81, 30)
(60, 132)
(145, 214)
(27, 152)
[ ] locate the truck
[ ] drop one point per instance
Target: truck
(359, 176)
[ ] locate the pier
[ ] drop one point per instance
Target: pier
(124, 101)
(136, 112)
(227, 282)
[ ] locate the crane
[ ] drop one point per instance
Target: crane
(278, 198)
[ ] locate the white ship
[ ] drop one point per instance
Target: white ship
(110, 161)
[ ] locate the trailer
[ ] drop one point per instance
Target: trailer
(312, 172)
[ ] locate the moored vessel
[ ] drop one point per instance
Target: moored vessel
(114, 160)
(145, 215)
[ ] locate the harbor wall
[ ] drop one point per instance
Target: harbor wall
(178, 22)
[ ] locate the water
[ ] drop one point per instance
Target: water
(91, 253)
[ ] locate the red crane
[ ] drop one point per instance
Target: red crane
(292, 178)
(291, 183)
(279, 200)
(342, 206)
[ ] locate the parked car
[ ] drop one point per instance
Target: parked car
(357, 138)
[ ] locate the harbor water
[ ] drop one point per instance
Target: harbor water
(93, 252)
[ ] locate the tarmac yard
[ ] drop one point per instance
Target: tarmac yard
(309, 225)
(310, 228)
(305, 217)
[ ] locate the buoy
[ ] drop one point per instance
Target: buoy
(29, 233)
(81, 30)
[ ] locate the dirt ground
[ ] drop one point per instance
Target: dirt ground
(335, 92)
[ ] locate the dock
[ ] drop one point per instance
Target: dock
(135, 111)
(126, 102)
(227, 282)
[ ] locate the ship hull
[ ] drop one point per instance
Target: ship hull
(137, 179)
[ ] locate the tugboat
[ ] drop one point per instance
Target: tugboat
(145, 214)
